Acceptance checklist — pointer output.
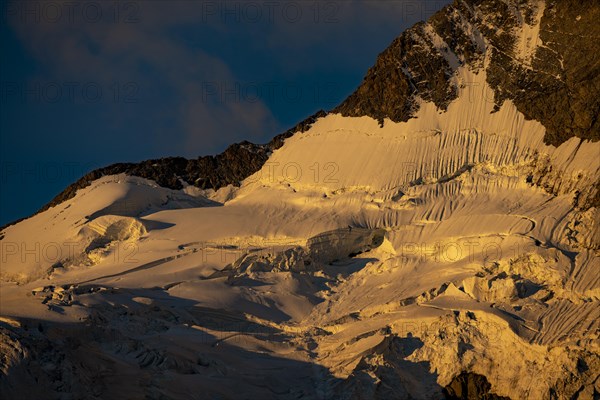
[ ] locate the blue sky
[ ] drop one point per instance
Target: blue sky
(88, 83)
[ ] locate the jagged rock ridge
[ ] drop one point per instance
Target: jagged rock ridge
(230, 167)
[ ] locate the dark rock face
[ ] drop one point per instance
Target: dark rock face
(410, 66)
(559, 85)
(470, 386)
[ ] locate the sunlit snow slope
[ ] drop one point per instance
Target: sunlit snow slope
(360, 262)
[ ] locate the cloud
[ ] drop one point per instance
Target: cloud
(144, 57)
(173, 54)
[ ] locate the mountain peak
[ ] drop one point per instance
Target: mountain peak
(542, 56)
(410, 244)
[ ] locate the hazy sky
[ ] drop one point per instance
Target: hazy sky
(88, 83)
